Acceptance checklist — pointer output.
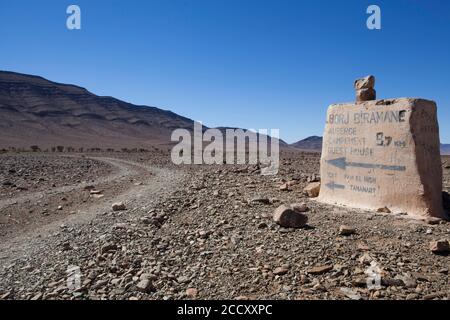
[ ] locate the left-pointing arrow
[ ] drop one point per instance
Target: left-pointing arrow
(332, 186)
(342, 163)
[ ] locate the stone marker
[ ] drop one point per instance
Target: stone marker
(383, 154)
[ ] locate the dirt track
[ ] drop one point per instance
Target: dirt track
(131, 183)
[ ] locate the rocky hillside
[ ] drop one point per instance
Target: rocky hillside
(35, 111)
(310, 143)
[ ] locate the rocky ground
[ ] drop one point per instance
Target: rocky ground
(207, 232)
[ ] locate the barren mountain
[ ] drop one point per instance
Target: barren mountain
(310, 143)
(445, 149)
(35, 111)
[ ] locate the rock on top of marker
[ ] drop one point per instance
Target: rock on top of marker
(365, 83)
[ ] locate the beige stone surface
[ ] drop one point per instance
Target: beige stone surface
(383, 153)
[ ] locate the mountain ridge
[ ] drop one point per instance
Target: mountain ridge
(314, 143)
(37, 111)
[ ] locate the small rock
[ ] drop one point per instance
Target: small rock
(108, 247)
(320, 269)
(191, 293)
(312, 189)
(182, 279)
(389, 282)
(345, 230)
(288, 218)
(263, 200)
(119, 206)
(144, 286)
(280, 271)
(433, 220)
(37, 297)
(262, 225)
(384, 210)
(440, 246)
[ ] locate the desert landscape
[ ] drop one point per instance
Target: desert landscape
(199, 232)
(221, 159)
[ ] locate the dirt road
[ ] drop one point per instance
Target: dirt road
(134, 184)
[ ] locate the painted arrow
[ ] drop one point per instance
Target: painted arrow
(332, 186)
(342, 163)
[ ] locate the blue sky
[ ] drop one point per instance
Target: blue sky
(245, 63)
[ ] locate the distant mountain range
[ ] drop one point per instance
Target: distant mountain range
(445, 149)
(36, 111)
(314, 143)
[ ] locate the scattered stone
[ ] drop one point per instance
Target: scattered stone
(263, 200)
(363, 247)
(320, 269)
(433, 220)
(345, 230)
(119, 206)
(37, 297)
(390, 282)
(288, 218)
(145, 286)
(182, 279)
(108, 248)
(440, 246)
(280, 271)
(191, 293)
(312, 189)
(262, 225)
(384, 210)
(5, 296)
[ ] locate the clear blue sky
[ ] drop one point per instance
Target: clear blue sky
(245, 63)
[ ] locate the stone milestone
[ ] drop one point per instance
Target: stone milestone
(383, 154)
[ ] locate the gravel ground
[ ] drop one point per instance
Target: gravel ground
(207, 233)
